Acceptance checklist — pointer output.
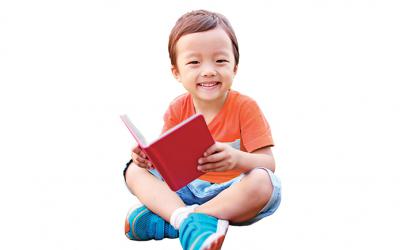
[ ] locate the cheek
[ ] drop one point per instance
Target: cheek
(228, 73)
(188, 73)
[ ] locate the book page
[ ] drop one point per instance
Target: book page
(134, 131)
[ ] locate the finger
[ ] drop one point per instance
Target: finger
(137, 163)
(135, 155)
(143, 165)
(149, 164)
(140, 159)
(216, 157)
(136, 149)
(137, 159)
(210, 166)
(211, 150)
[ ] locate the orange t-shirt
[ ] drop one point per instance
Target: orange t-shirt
(240, 122)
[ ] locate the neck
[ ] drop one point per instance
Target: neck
(207, 107)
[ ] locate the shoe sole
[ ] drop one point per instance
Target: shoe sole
(215, 241)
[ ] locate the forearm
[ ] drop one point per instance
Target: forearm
(248, 161)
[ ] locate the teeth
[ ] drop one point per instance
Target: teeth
(208, 84)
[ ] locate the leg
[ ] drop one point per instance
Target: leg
(207, 227)
(252, 193)
(152, 192)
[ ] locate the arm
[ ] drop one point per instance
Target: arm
(222, 157)
(261, 157)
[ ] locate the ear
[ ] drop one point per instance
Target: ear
(175, 73)
(235, 69)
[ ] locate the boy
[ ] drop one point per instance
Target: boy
(238, 186)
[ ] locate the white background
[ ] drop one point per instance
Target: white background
(326, 74)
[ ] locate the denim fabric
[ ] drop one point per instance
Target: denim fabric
(199, 192)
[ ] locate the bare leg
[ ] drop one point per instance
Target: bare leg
(152, 192)
(241, 201)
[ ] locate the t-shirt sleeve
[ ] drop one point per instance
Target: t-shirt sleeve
(171, 118)
(254, 128)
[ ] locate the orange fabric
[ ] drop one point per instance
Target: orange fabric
(239, 118)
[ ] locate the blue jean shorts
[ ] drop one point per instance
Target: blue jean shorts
(199, 192)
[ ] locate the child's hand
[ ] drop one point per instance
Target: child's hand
(140, 159)
(217, 158)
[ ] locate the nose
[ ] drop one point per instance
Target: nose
(208, 71)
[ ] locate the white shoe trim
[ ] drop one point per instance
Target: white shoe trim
(197, 239)
(134, 207)
(180, 214)
(222, 227)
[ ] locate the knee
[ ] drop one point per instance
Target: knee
(132, 173)
(261, 186)
(133, 170)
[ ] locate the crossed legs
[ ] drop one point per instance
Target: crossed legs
(238, 203)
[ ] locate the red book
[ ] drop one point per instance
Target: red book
(176, 152)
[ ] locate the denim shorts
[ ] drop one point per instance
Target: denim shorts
(199, 192)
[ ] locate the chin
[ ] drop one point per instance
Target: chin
(212, 97)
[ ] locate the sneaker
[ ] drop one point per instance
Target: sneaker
(202, 232)
(142, 224)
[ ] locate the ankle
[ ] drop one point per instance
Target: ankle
(180, 214)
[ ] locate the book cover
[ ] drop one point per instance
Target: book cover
(176, 152)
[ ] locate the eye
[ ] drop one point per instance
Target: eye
(222, 61)
(193, 62)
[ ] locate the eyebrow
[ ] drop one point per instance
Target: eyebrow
(190, 54)
(193, 54)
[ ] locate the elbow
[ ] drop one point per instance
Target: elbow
(268, 162)
(271, 164)
(273, 168)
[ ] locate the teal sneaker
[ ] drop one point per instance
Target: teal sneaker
(142, 224)
(202, 232)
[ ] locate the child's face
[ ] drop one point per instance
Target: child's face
(205, 64)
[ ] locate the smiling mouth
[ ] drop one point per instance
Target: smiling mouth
(208, 85)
